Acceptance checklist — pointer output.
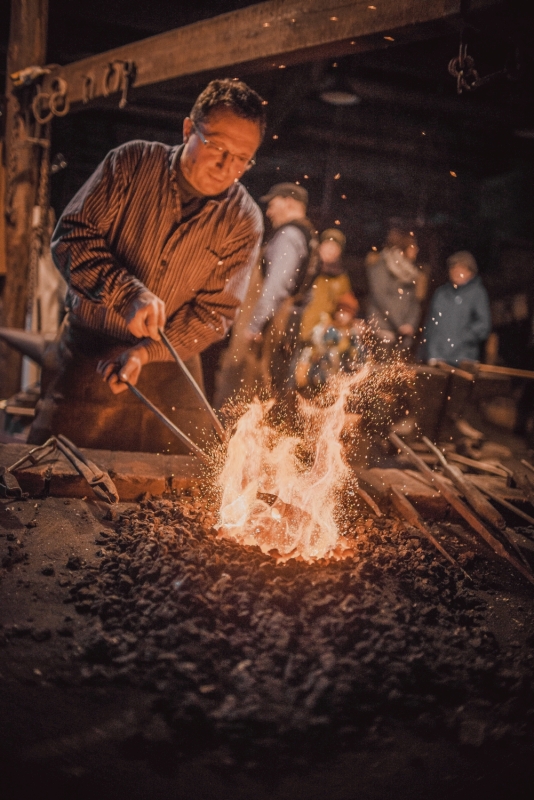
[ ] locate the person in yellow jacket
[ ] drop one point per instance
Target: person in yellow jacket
(330, 284)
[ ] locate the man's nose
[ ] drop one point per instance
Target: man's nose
(224, 159)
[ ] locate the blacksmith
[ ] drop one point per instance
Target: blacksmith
(158, 237)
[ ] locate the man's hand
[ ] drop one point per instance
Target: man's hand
(126, 367)
(406, 330)
(144, 315)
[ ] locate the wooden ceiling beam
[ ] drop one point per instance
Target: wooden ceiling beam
(262, 36)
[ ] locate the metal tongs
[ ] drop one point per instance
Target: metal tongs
(221, 433)
(98, 479)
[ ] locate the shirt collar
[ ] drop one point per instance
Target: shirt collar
(174, 165)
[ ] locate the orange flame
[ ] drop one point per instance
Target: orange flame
(269, 498)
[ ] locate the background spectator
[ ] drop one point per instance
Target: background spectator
(458, 320)
(330, 284)
(393, 308)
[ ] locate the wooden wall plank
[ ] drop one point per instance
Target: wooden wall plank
(260, 36)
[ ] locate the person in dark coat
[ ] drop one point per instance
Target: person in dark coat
(459, 319)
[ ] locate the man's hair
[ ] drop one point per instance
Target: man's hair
(233, 95)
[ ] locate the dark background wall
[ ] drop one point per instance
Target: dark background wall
(457, 168)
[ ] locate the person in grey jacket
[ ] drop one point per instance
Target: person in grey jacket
(393, 309)
(459, 319)
(259, 354)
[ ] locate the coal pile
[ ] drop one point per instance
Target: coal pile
(236, 647)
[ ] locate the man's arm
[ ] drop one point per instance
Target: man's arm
(81, 253)
(209, 316)
(204, 320)
(431, 337)
(284, 255)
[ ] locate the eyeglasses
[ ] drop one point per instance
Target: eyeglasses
(240, 162)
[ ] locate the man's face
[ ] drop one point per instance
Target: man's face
(211, 170)
(459, 274)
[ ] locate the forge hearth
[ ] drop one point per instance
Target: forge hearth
(226, 655)
(229, 639)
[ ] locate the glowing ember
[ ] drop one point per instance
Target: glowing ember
(270, 497)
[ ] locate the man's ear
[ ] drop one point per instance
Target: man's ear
(187, 129)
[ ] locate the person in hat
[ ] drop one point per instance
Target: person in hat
(159, 237)
(459, 318)
(286, 255)
(330, 284)
(288, 265)
(266, 333)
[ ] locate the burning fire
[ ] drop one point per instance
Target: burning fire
(272, 499)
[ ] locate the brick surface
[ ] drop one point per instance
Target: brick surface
(134, 474)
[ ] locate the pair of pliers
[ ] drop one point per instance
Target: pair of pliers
(98, 479)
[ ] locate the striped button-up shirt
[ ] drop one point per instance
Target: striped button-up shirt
(123, 231)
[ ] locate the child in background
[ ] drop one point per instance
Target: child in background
(330, 283)
(334, 345)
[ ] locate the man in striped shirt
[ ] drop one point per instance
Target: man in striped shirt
(158, 237)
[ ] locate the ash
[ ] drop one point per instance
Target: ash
(237, 646)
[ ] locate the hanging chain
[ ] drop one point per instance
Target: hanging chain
(41, 212)
(12, 164)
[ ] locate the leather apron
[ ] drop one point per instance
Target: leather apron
(76, 402)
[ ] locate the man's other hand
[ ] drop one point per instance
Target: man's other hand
(144, 315)
(126, 367)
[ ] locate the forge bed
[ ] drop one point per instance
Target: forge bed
(141, 656)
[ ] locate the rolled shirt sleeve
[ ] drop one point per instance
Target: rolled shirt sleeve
(122, 233)
(80, 243)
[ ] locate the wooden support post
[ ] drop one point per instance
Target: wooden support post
(27, 47)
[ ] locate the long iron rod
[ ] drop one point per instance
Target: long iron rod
(200, 394)
(450, 494)
(412, 517)
(170, 425)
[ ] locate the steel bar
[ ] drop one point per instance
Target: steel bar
(412, 517)
(369, 500)
(510, 506)
(450, 494)
(200, 454)
(481, 466)
(510, 372)
(476, 499)
(471, 492)
(194, 385)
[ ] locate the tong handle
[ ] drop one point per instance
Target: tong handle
(170, 425)
(221, 433)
